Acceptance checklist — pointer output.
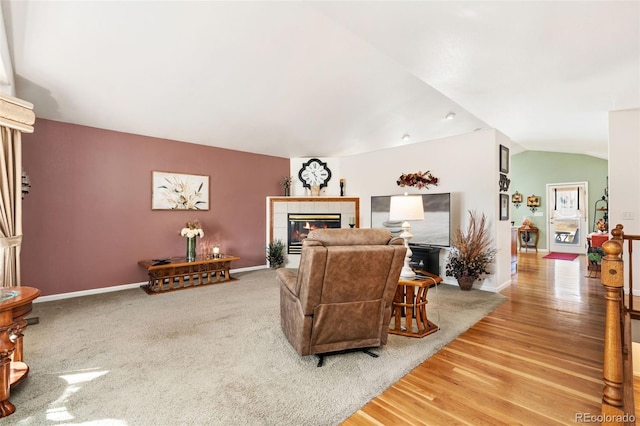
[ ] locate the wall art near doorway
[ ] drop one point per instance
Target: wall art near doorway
(504, 159)
(504, 206)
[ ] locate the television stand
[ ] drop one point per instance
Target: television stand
(428, 255)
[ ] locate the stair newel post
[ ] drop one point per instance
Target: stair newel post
(612, 278)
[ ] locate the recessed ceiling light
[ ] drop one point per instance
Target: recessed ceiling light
(406, 137)
(450, 116)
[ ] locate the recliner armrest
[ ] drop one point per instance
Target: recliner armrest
(399, 241)
(288, 277)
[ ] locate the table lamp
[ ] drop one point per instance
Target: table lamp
(405, 208)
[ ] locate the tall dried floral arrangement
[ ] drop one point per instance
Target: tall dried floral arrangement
(471, 252)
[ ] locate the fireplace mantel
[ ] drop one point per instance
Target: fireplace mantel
(279, 207)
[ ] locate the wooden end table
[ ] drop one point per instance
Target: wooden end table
(410, 302)
(12, 323)
(528, 238)
(178, 274)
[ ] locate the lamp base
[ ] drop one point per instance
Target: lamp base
(407, 273)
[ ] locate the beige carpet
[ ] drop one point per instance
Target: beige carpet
(207, 356)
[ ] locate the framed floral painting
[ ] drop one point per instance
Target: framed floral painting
(177, 191)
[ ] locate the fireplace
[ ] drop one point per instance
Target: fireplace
(278, 209)
(301, 223)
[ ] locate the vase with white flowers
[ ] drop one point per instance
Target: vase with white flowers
(192, 230)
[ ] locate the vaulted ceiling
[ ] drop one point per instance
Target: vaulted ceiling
(298, 79)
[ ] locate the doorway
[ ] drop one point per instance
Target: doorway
(567, 217)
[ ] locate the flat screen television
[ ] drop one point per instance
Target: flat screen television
(434, 230)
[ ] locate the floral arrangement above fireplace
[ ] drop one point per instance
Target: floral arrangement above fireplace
(419, 180)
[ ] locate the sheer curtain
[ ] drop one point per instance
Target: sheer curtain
(16, 116)
(568, 202)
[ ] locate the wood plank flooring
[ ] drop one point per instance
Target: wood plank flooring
(535, 360)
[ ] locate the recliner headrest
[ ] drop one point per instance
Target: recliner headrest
(350, 237)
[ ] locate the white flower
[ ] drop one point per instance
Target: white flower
(182, 194)
(192, 229)
(190, 233)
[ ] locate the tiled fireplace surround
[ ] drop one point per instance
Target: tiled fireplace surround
(279, 207)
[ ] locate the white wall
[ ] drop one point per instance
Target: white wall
(7, 85)
(624, 176)
(466, 166)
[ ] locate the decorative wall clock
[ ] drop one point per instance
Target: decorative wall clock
(314, 173)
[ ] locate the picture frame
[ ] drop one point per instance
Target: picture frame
(504, 159)
(516, 198)
(179, 191)
(504, 206)
(533, 201)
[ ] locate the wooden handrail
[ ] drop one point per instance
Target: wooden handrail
(617, 394)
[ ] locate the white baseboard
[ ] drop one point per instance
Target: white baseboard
(504, 285)
(101, 290)
(87, 292)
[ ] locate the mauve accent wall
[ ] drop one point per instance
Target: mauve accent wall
(88, 220)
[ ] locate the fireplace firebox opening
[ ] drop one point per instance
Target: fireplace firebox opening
(301, 223)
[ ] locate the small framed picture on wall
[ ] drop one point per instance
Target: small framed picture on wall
(504, 159)
(504, 206)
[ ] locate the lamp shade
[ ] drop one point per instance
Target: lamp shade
(406, 207)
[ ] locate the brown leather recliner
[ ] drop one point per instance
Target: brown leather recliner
(340, 297)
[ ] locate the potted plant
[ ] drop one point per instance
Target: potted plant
(471, 253)
(275, 254)
(594, 255)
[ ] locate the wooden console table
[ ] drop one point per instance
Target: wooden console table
(410, 302)
(14, 306)
(528, 237)
(178, 274)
